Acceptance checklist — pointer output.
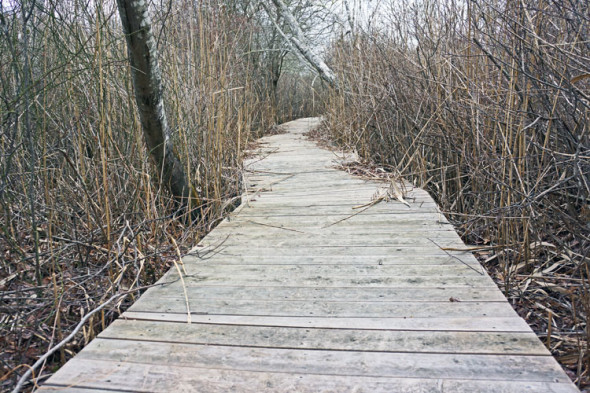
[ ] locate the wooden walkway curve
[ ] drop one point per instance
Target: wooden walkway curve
(300, 290)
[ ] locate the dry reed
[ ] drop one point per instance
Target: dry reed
(486, 104)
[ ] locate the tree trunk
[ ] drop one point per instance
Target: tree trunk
(147, 82)
(299, 41)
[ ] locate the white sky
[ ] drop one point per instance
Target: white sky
(8, 5)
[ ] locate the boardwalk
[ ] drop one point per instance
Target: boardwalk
(304, 290)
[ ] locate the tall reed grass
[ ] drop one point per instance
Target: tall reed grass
(486, 103)
(82, 215)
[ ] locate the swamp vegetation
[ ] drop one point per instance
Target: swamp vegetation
(484, 103)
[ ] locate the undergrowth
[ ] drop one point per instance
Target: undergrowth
(487, 105)
(82, 213)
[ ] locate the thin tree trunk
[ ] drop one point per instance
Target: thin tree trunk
(349, 16)
(147, 81)
(299, 41)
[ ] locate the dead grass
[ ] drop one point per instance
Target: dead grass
(82, 216)
(483, 107)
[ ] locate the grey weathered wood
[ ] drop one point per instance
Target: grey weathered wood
(329, 339)
(145, 377)
(318, 222)
(333, 270)
(472, 324)
(326, 309)
(342, 294)
(295, 292)
(366, 250)
(260, 232)
(351, 363)
(311, 240)
(400, 259)
(328, 281)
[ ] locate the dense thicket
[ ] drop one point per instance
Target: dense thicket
(486, 103)
(82, 215)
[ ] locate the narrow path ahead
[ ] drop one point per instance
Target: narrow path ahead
(304, 290)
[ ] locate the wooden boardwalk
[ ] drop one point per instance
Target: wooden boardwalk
(298, 291)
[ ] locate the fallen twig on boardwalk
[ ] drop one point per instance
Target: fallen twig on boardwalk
(207, 251)
(179, 255)
(452, 256)
(354, 214)
(263, 188)
(276, 226)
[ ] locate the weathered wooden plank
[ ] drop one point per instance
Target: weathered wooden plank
(329, 281)
(473, 324)
(358, 219)
(348, 220)
(290, 151)
(306, 242)
(139, 377)
(340, 198)
(539, 368)
(342, 294)
(329, 339)
(254, 231)
(335, 214)
(217, 256)
(275, 225)
(364, 193)
(336, 252)
(250, 173)
(327, 309)
(333, 209)
(317, 240)
(364, 225)
(338, 222)
(313, 178)
(287, 185)
(316, 176)
(344, 201)
(325, 180)
(334, 270)
(343, 205)
(285, 182)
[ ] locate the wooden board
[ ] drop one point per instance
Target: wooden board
(115, 375)
(406, 341)
(221, 257)
(331, 270)
(340, 294)
(323, 308)
(307, 287)
(471, 324)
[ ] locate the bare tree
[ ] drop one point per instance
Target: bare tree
(298, 39)
(147, 81)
